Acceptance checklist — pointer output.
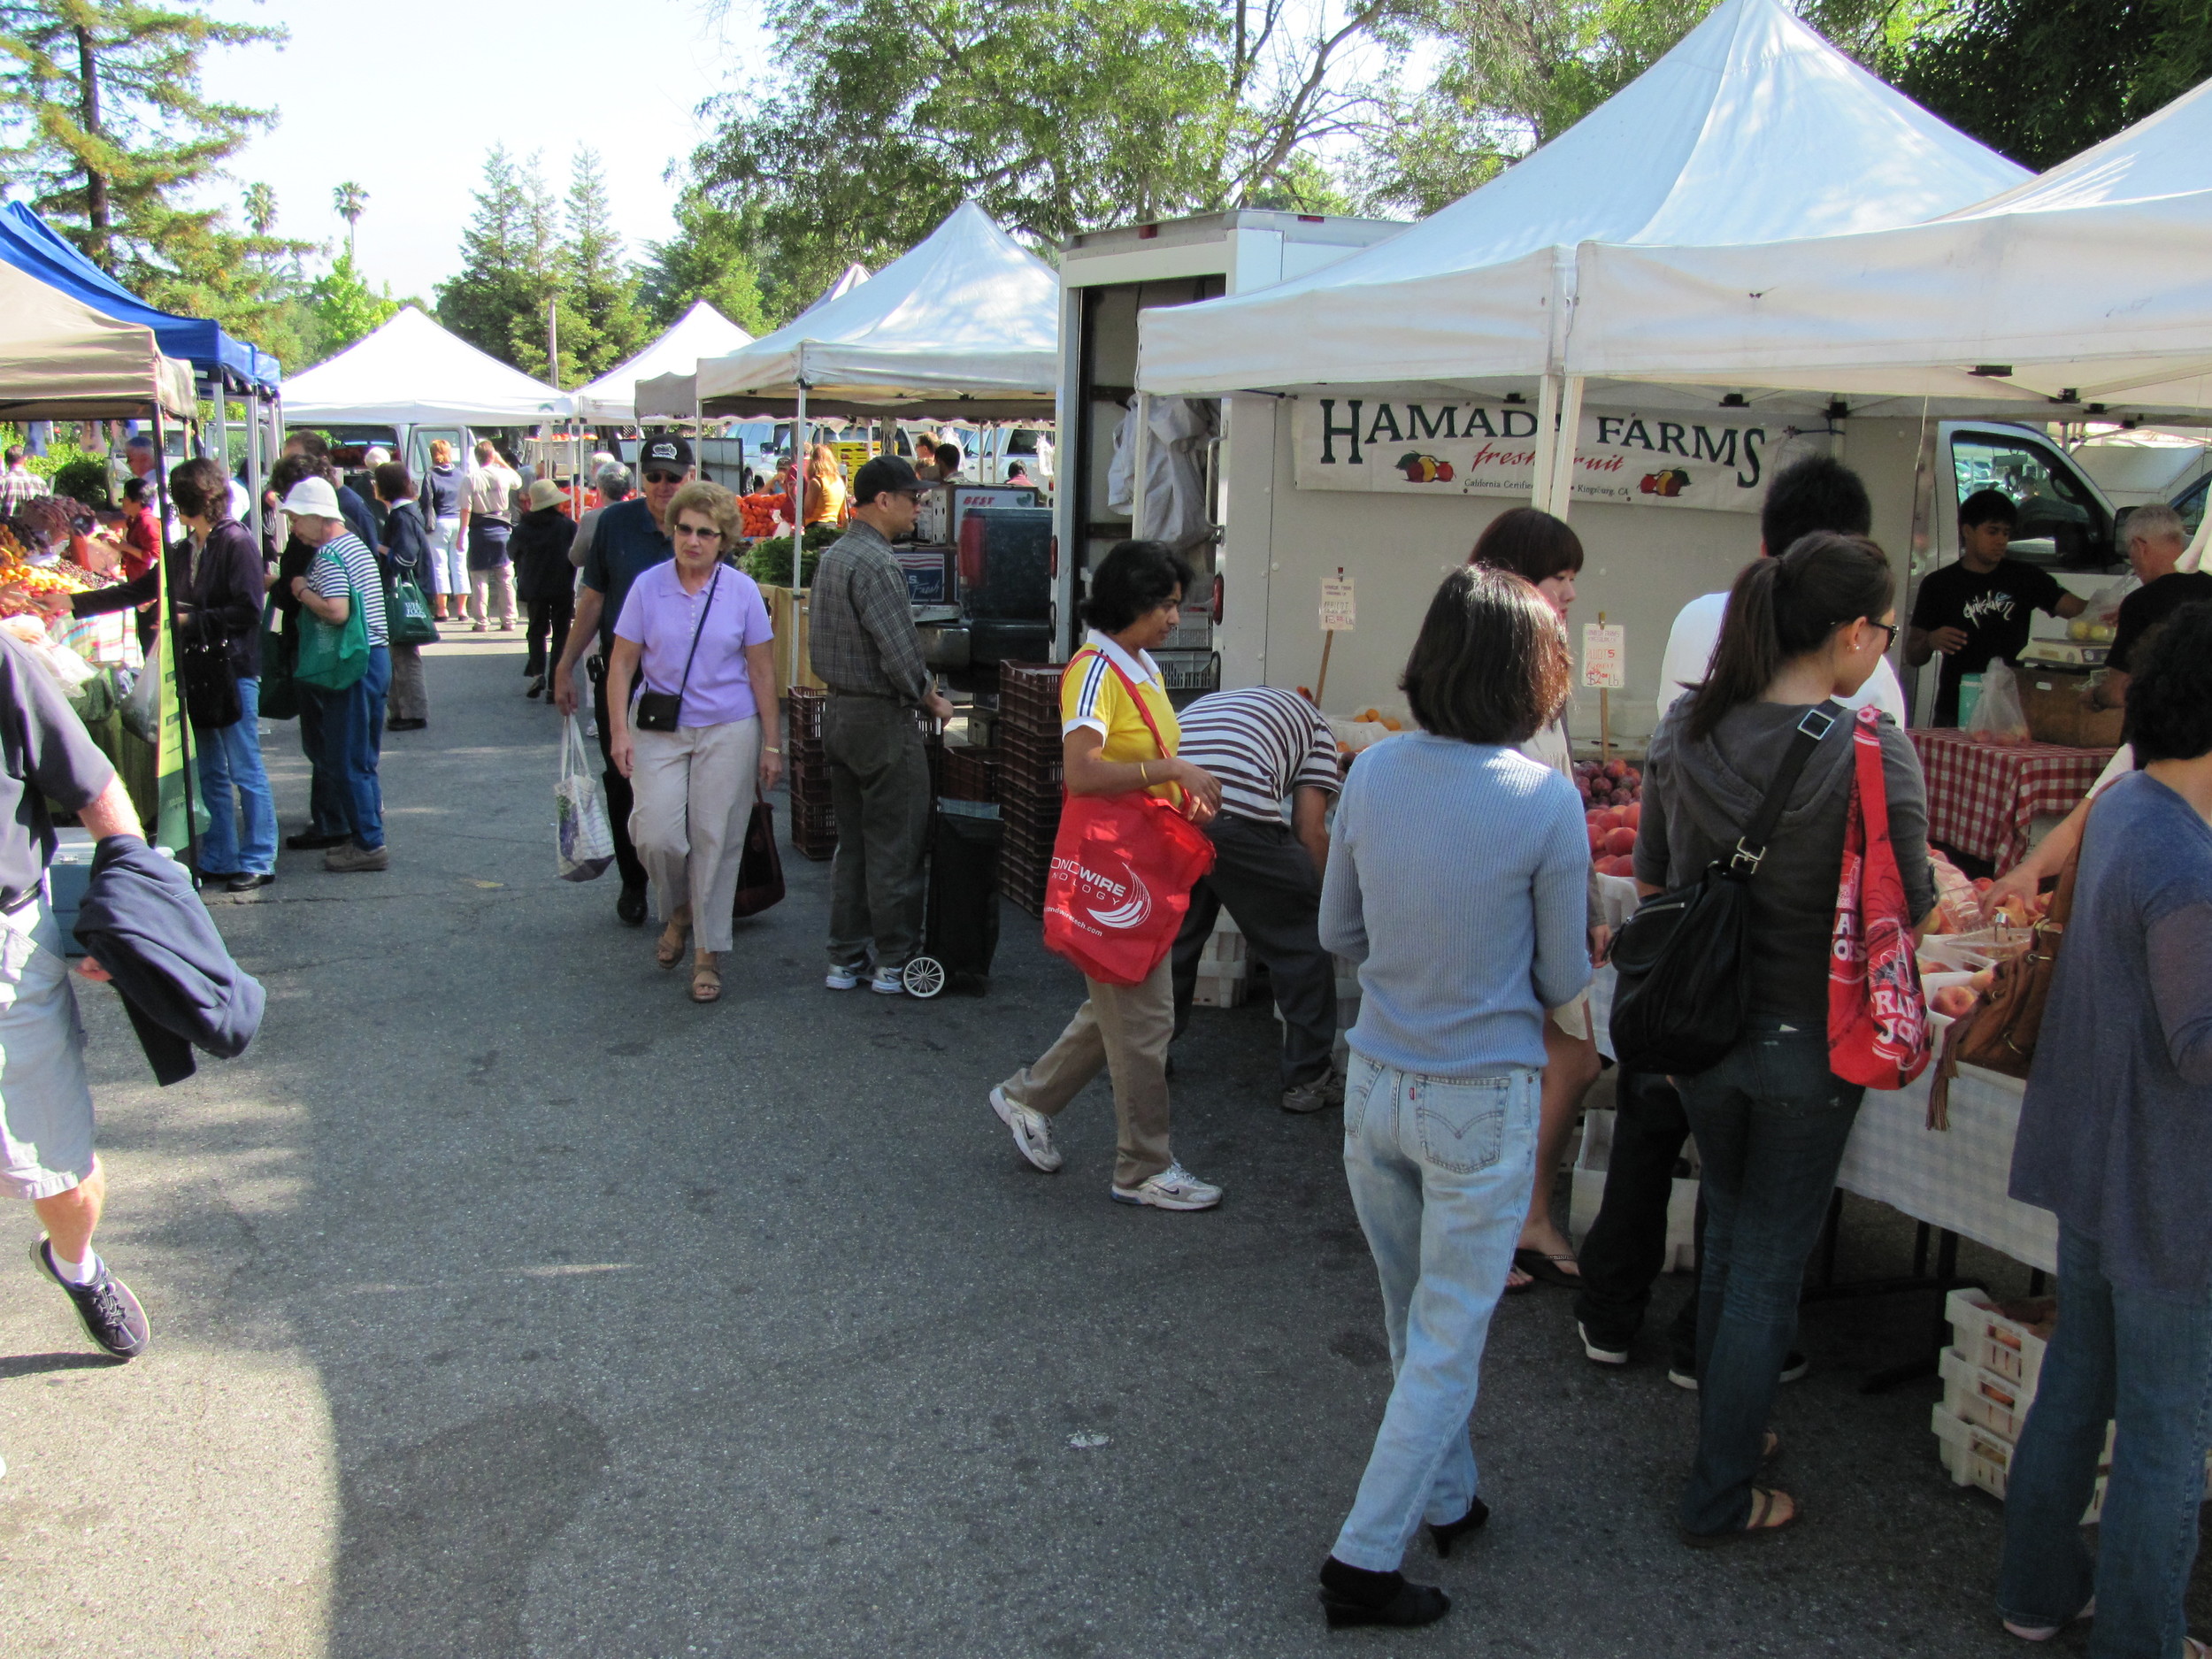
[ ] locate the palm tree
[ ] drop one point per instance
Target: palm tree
(351, 201)
(260, 209)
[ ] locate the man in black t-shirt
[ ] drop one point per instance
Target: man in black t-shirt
(1977, 610)
(2154, 539)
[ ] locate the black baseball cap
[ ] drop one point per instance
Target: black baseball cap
(885, 475)
(663, 453)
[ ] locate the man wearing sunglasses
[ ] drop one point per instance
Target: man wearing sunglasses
(630, 538)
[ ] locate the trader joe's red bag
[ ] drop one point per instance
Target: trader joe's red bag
(1123, 866)
(1877, 1024)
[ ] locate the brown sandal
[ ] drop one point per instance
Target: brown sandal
(668, 949)
(706, 978)
(1762, 1522)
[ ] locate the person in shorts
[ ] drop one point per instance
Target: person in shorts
(46, 1154)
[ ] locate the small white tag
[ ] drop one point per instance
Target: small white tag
(1789, 1028)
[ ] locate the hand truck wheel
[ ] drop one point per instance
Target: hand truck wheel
(924, 977)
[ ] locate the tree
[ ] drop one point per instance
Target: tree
(346, 308)
(712, 257)
(1054, 115)
(597, 291)
(351, 201)
(497, 302)
(261, 209)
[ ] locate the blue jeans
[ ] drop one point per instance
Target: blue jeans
(2143, 1359)
(353, 738)
(326, 798)
(1439, 1171)
(1770, 1121)
(231, 754)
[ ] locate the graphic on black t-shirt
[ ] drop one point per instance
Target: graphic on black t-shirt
(1994, 609)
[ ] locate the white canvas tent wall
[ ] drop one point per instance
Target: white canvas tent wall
(2089, 285)
(411, 373)
(700, 332)
(965, 325)
(1752, 128)
(61, 360)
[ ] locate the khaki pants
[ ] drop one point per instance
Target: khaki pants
(1125, 1028)
(496, 583)
(879, 778)
(694, 794)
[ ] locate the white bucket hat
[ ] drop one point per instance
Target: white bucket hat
(313, 498)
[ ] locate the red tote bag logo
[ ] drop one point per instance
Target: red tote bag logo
(1877, 1023)
(1123, 866)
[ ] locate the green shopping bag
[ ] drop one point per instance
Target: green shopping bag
(332, 655)
(407, 616)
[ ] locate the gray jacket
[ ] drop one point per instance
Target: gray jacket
(1698, 795)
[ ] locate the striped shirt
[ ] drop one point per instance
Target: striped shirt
(355, 567)
(1261, 742)
(18, 485)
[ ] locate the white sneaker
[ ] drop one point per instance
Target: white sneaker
(1600, 1355)
(843, 976)
(889, 982)
(1175, 1187)
(1032, 1130)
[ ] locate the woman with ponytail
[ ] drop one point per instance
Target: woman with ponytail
(1769, 1117)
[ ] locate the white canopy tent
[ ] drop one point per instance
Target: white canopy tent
(411, 373)
(61, 360)
(846, 280)
(700, 332)
(965, 325)
(1752, 128)
(674, 395)
(2086, 291)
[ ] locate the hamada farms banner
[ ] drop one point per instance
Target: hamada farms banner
(1392, 447)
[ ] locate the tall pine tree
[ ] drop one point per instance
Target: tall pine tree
(498, 297)
(103, 122)
(601, 323)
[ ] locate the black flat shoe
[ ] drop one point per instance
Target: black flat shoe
(312, 840)
(1444, 1535)
(406, 725)
(217, 877)
(1351, 1596)
(245, 882)
(630, 906)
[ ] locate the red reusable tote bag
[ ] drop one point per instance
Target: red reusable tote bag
(1123, 866)
(1877, 1024)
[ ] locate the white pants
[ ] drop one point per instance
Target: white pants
(693, 789)
(449, 559)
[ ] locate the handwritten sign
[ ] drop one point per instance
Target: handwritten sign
(1336, 604)
(1604, 654)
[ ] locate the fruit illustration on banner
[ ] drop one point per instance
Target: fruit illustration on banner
(1672, 481)
(1423, 469)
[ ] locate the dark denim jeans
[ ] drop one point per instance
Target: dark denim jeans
(353, 739)
(229, 755)
(1627, 1244)
(326, 790)
(2142, 1358)
(1770, 1121)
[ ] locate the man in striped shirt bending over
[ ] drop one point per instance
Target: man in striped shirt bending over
(1267, 745)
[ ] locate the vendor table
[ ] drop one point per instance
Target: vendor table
(1983, 797)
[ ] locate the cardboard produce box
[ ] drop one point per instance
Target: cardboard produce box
(2051, 698)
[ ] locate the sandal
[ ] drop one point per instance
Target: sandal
(1762, 1523)
(668, 949)
(1516, 1282)
(1543, 1266)
(706, 978)
(1769, 1447)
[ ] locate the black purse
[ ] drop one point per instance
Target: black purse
(1683, 958)
(664, 711)
(211, 684)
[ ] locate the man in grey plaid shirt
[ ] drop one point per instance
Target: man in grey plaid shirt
(18, 484)
(863, 647)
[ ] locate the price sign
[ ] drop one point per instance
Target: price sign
(1604, 655)
(1336, 604)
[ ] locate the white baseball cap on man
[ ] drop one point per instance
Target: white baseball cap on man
(313, 498)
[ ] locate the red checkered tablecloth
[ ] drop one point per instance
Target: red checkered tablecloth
(1983, 797)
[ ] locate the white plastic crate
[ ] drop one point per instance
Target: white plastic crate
(1975, 1456)
(1982, 1398)
(2005, 1347)
(1588, 1192)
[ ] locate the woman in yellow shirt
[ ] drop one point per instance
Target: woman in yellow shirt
(825, 487)
(1135, 602)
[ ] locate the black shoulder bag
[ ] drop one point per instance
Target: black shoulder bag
(1683, 958)
(664, 711)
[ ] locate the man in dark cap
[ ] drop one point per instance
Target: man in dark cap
(630, 538)
(863, 647)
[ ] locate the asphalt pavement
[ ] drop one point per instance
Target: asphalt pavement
(506, 1303)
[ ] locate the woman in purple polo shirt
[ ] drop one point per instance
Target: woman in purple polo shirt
(698, 631)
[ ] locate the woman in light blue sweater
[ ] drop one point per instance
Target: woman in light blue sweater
(1457, 880)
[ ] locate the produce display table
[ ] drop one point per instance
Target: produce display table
(1984, 797)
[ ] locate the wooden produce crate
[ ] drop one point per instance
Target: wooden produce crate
(2051, 698)
(787, 617)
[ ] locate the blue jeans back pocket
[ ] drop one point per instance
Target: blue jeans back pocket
(1360, 1077)
(1459, 1121)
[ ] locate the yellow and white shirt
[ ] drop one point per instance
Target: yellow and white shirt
(1093, 695)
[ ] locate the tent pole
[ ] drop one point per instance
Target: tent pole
(1563, 470)
(1546, 434)
(253, 461)
(161, 689)
(798, 506)
(1140, 463)
(222, 426)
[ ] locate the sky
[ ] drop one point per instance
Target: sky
(405, 98)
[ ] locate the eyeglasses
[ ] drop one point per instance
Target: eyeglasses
(704, 533)
(1889, 630)
(664, 477)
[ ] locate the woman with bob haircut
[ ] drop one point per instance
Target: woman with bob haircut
(2114, 1139)
(1112, 702)
(1460, 952)
(1545, 553)
(1771, 1118)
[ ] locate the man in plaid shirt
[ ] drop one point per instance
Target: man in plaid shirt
(18, 484)
(863, 647)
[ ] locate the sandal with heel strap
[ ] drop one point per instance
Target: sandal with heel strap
(706, 978)
(668, 949)
(1762, 1522)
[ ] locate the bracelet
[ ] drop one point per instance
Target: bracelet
(1142, 777)
(771, 750)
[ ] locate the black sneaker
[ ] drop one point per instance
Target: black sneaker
(314, 841)
(1683, 1375)
(630, 906)
(106, 1308)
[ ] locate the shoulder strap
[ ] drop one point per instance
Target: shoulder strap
(712, 587)
(1137, 697)
(1751, 845)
